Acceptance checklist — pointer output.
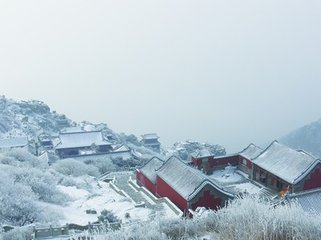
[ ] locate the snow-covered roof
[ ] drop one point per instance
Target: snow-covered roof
(203, 153)
(309, 200)
(186, 181)
(81, 139)
(75, 129)
(251, 151)
(286, 163)
(150, 136)
(14, 142)
(149, 169)
(122, 148)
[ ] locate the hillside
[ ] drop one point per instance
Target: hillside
(307, 138)
(33, 117)
(29, 118)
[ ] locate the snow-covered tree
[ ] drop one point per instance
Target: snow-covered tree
(72, 167)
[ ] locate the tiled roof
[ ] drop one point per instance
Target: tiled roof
(13, 142)
(286, 163)
(204, 153)
(81, 139)
(184, 179)
(150, 136)
(122, 148)
(310, 201)
(149, 169)
(251, 151)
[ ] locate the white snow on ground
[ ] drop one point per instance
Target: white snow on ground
(227, 175)
(248, 187)
(168, 213)
(234, 180)
(99, 198)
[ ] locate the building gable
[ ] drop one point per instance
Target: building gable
(285, 163)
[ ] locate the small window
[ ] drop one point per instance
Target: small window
(244, 161)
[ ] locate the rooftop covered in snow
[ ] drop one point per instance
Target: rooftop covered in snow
(14, 142)
(186, 180)
(81, 139)
(285, 163)
(75, 129)
(203, 153)
(251, 151)
(149, 136)
(149, 169)
(309, 200)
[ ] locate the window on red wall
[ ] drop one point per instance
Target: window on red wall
(244, 161)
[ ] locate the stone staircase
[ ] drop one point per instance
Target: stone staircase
(121, 181)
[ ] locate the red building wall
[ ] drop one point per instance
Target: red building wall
(197, 162)
(142, 180)
(223, 161)
(248, 165)
(207, 199)
(313, 180)
(164, 190)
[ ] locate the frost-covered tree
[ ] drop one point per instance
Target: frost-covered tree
(242, 219)
(108, 216)
(72, 167)
(104, 164)
(22, 158)
(18, 204)
(21, 233)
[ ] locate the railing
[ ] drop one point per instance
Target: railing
(40, 233)
(74, 231)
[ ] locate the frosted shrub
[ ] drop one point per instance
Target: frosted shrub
(25, 159)
(107, 216)
(72, 167)
(18, 204)
(67, 181)
(173, 229)
(250, 218)
(125, 163)
(103, 165)
(4, 159)
(21, 233)
(42, 184)
(136, 231)
(253, 218)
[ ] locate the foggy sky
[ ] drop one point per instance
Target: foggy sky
(226, 72)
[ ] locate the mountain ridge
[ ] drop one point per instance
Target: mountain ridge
(307, 137)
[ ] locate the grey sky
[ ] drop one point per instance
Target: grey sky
(227, 72)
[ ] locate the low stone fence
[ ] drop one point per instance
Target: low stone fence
(41, 233)
(70, 230)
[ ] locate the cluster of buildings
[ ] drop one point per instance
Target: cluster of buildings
(275, 173)
(72, 142)
(78, 142)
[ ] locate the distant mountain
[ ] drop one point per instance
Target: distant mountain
(307, 138)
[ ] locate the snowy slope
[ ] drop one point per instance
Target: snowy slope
(29, 118)
(307, 138)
